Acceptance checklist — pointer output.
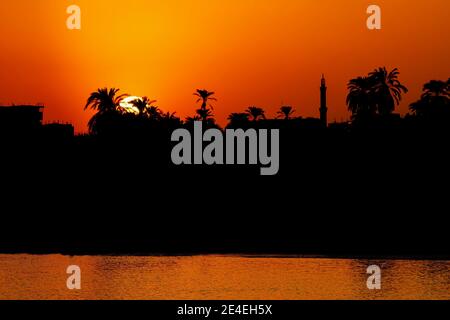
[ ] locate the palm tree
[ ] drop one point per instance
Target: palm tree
(104, 100)
(170, 120)
(435, 100)
(256, 113)
(436, 88)
(238, 117)
(205, 96)
(387, 89)
(285, 112)
(237, 120)
(106, 103)
(169, 116)
(420, 107)
(205, 115)
(154, 113)
(190, 120)
(143, 106)
(360, 100)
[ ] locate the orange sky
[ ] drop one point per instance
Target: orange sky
(251, 52)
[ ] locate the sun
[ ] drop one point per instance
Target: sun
(127, 104)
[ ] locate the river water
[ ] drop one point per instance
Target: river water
(219, 277)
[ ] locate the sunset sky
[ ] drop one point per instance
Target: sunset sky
(250, 52)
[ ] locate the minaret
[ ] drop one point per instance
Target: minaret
(323, 102)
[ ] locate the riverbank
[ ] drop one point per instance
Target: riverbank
(243, 251)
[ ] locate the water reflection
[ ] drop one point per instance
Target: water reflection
(219, 277)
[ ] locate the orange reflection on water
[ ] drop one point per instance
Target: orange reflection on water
(219, 277)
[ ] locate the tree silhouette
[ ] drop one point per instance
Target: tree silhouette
(190, 120)
(169, 116)
(238, 120)
(256, 113)
(434, 102)
(420, 108)
(285, 112)
(238, 117)
(205, 115)
(153, 113)
(205, 96)
(376, 94)
(169, 120)
(360, 98)
(145, 108)
(436, 89)
(387, 89)
(106, 103)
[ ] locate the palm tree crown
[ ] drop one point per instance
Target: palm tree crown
(359, 99)
(378, 93)
(436, 88)
(285, 112)
(387, 89)
(104, 100)
(256, 113)
(238, 119)
(144, 107)
(435, 100)
(106, 103)
(205, 96)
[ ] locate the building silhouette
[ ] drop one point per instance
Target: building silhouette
(20, 119)
(323, 103)
(58, 131)
(26, 121)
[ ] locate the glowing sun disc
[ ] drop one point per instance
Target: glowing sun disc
(127, 104)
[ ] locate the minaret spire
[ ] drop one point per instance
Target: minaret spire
(323, 102)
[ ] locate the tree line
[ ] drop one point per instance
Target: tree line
(370, 98)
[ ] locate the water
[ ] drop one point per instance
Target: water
(219, 277)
